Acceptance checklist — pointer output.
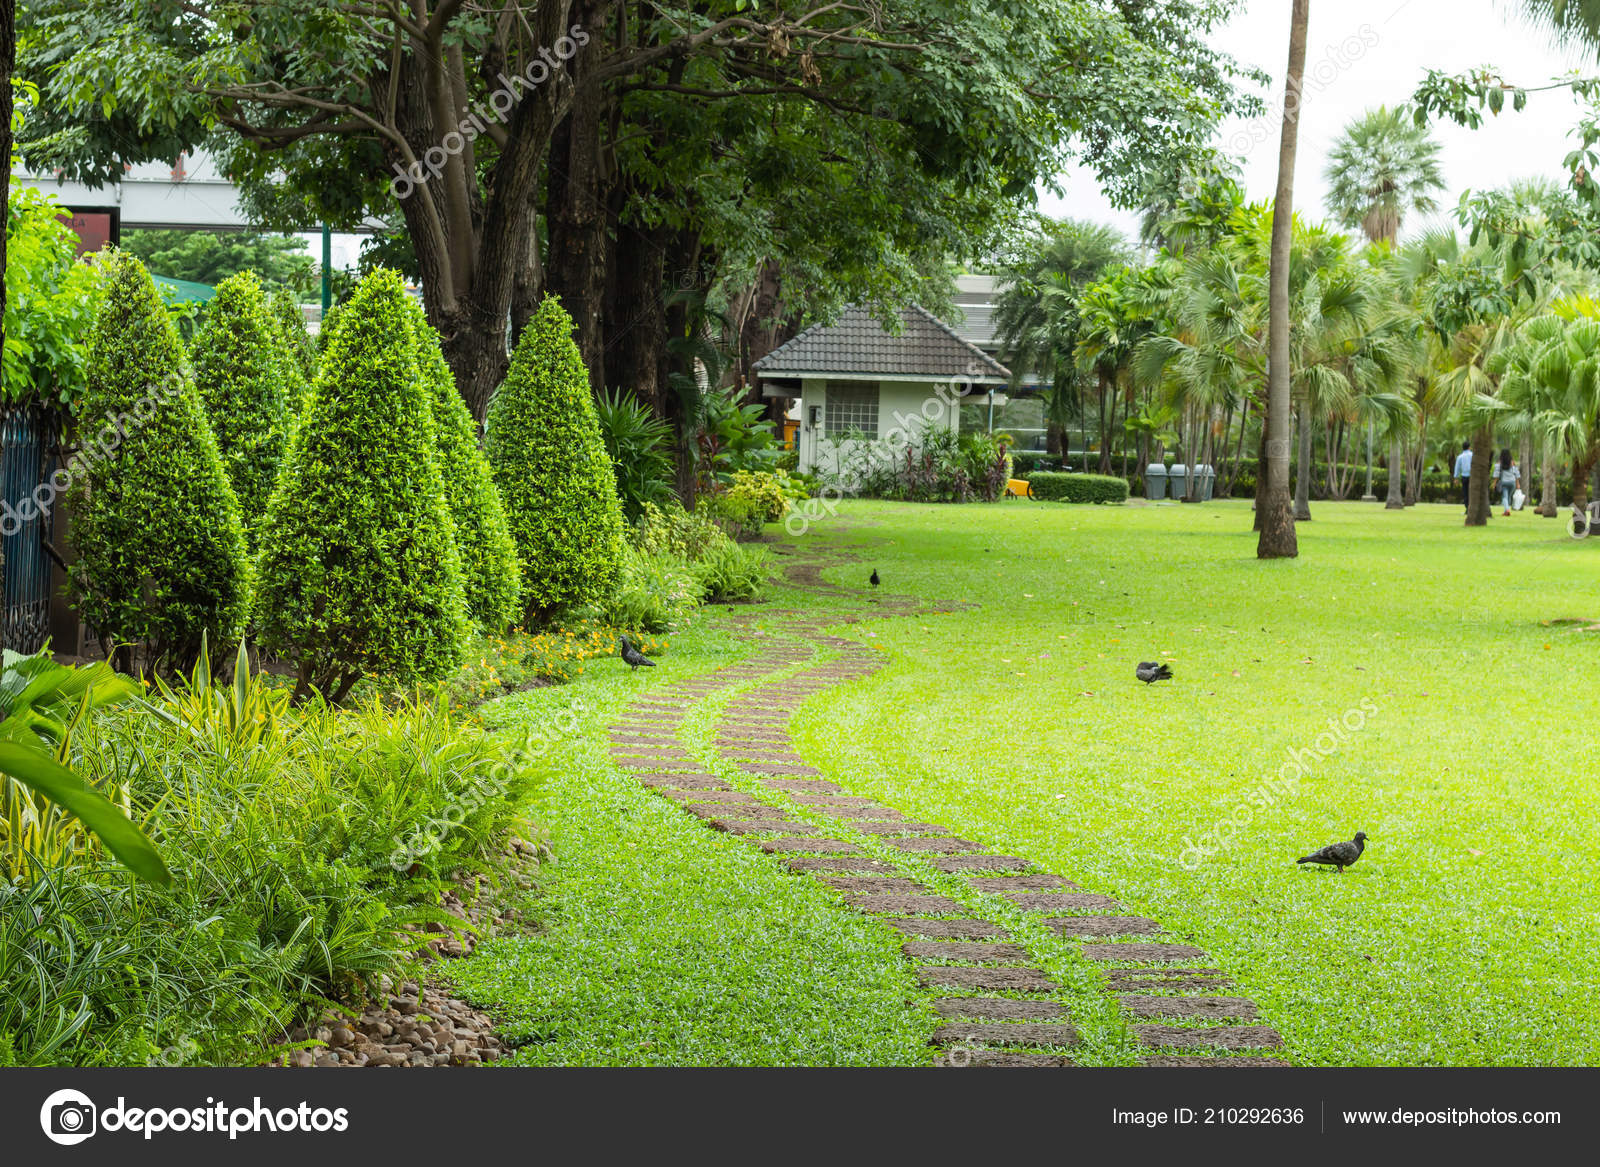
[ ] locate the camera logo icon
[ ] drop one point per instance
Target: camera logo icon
(68, 1117)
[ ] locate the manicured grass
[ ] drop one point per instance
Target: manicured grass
(660, 942)
(1466, 935)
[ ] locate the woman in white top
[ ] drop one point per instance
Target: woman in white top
(1508, 479)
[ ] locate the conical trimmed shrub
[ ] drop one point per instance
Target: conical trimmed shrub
(554, 475)
(242, 375)
(161, 550)
(359, 572)
(300, 355)
(489, 568)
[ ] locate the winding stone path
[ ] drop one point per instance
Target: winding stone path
(877, 858)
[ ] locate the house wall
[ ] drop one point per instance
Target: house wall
(905, 408)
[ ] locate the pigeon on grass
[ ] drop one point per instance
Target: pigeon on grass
(1340, 855)
(1150, 672)
(873, 578)
(634, 657)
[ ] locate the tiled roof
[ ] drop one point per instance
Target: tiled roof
(857, 343)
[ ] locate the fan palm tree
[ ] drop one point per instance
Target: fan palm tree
(1574, 22)
(1037, 319)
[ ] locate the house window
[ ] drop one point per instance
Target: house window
(850, 406)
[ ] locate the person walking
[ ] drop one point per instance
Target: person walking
(1508, 478)
(1463, 471)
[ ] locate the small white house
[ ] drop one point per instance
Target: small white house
(867, 393)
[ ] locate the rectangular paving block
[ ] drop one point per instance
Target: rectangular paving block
(1218, 1008)
(974, 951)
(1152, 950)
(1005, 1033)
(782, 768)
(1018, 980)
(722, 797)
(643, 739)
(684, 781)
(964, 929)
(1000, 883)
(875, 827)
(773, 826)
(1220, 1037)
(1136, 980)
(841, 801)
(904, 905)
(956, 863)
(800, 785)
(650, 752)
(885, 885)
(817, 846)
(815, 864)
(995, 1059)
(998, 1009)
(939, 846)
(1193, 1062)
(1066, 901)
(736, 810)
(1089, 926)
(860, 813)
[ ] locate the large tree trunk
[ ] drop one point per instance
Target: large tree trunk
(575, 269)
(1303, 468)
(1548, 467)
(1397, 466)
(1525, 462)
(1582, 468)
(636, 314)
(1478, 484)
(1278, 538)
(683, 268)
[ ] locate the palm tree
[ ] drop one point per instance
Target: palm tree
(1574, 22)
(1381, 168)
(1036, 317)
(1277, 539)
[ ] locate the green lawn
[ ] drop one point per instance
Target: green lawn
(1467, 935)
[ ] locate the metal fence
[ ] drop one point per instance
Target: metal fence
(26, 460)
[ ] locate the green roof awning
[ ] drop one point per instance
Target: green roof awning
(183, 291)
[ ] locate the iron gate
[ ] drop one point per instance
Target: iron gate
(26, 461)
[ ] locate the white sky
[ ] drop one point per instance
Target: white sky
(1346, 77)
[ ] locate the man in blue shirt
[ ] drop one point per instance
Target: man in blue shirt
(1463, 471)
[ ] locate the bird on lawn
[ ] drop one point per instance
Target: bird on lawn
(873, 578)
(1340, 855)
(1150, 672)
(634, 657)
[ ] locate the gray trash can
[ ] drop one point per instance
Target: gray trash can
(1155, 481)
(1178, 481)
(1206, 479)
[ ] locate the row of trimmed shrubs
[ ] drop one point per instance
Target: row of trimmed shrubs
(1088, 488)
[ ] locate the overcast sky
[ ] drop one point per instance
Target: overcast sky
(1363, 53)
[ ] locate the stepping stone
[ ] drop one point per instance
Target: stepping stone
(832, 800)
(999, 883)
(905, 905)
(943, 846)
(1215, 1008)
(762, 827)
(655, 752)
(1194, 1062)
(1018, 980)
(684, 781)
(1066, 901)
(1005, 1033)
(876, 813)
(1089, 926)
(955, 863)
(1142, 950)
(721, 797)
(1005, 1060)
(899, 828)
(1134, 980)
(816, 846)
(801, 785)
(777, 768)
(633, 739)
(966, 929)
(764, 763)
(884, 886)
(656, 765)
(969, 950)
(738, 810)
(998, 1009)
(1225, 1037)
(813, 864)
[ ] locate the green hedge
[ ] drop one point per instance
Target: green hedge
(1095, 488)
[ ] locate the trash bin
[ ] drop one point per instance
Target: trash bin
(1207, 478)
(1155, 481)
(1178, 482)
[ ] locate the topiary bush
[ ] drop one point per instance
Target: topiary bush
(555, 477)
(299, 353)
(359, 568)
(161, 550)
(243, 379)
(489, 570)
(1094, 488)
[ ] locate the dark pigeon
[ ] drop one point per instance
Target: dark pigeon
(634, 657)
(1340, 855)
(873, 578)
(1150, 672)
